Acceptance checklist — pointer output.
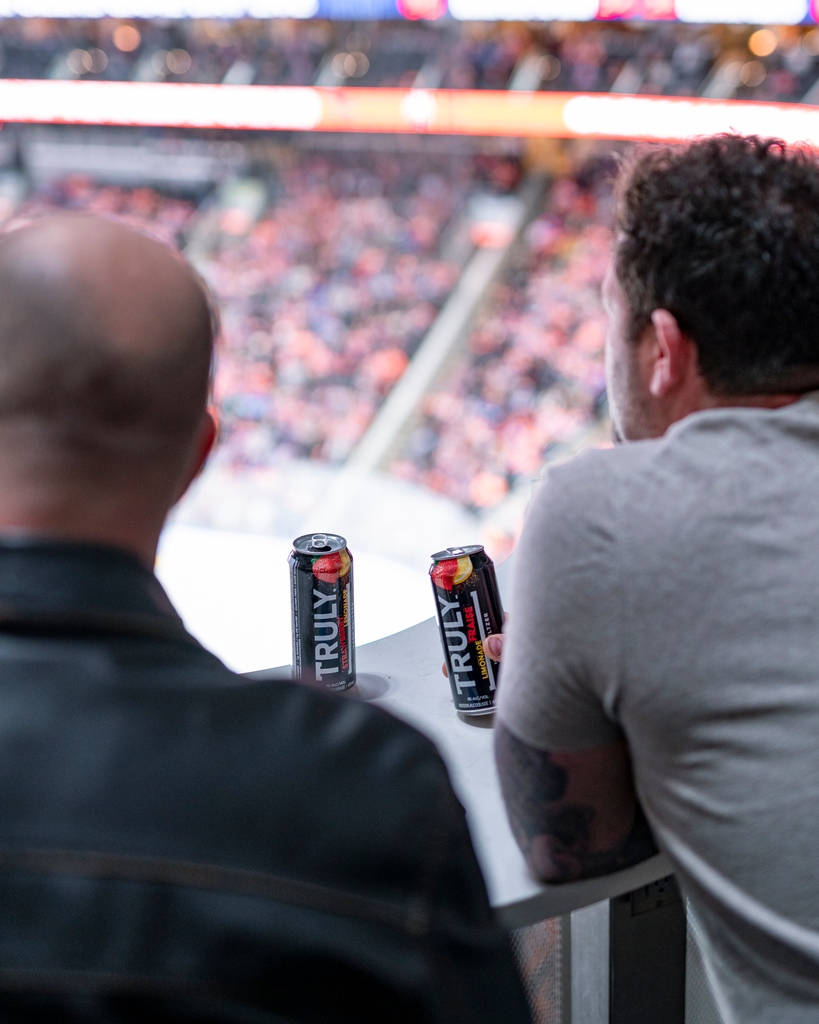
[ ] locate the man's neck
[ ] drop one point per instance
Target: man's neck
(777, 401)
(86, 529)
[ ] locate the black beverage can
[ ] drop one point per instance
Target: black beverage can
(321, 601)
(468, 606)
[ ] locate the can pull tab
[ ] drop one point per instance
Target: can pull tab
(319, 542)
(456, 551)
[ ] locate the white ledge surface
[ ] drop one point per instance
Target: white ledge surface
(402, 673)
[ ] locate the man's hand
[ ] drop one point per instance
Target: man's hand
(574, 814)
(493, 645)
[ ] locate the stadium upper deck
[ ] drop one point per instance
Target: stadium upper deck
(671, 59)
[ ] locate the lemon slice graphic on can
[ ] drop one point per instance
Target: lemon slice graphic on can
(464, 570)
(451, 571)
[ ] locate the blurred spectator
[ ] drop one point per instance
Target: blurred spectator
(532, 377)
(663, 59)
(159, 215)
(483, 56)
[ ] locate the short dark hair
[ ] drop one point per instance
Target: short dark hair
(723, 232)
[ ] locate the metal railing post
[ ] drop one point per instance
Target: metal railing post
(647, 948)
(588, 961)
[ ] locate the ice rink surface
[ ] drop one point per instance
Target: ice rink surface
(232, 590)
(223, 557)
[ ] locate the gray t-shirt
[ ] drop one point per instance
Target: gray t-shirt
(668, 591)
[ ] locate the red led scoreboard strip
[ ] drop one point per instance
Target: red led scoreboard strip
(439, 111)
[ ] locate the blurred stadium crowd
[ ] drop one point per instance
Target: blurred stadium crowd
(327, 288)
(660, 58)
(326, 292)
(325, 300)
(326, 296)
(145, 209)
(531, 378)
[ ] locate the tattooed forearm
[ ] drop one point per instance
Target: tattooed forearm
(565, 838)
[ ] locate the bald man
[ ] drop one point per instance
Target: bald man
(177, 843)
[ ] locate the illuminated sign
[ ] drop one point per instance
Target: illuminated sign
(161, 8)
(652, 10)
(357, 9)
(417, 9)
(150, 103)
(353, 9)
(743, 12)
(652, 118)
(750, 12)
(524, 10)
(435, 111)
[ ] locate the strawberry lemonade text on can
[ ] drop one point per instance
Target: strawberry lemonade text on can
(468, 606)
(321, 600)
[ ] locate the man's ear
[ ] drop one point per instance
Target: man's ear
(206, 438)
(675, 356)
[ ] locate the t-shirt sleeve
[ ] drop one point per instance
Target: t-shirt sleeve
(561, 655)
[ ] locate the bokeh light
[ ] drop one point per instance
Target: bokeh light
(350, 65)
(810, 42)
(178, 62)
(127, 38)
(79, 62)
(753, 73)
(762, 43)
(99, 60)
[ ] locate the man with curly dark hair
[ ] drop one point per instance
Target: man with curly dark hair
(661, 672)
(724, 235)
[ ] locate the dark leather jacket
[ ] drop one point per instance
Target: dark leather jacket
(178, 843)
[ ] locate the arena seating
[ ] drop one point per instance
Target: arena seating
(160, 215)
(532, 377)
(325, 301)
(661, 58)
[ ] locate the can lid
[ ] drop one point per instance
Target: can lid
(467, 549)
(319, 544)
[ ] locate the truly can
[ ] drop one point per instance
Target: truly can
(468, 606)
(321, 601)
